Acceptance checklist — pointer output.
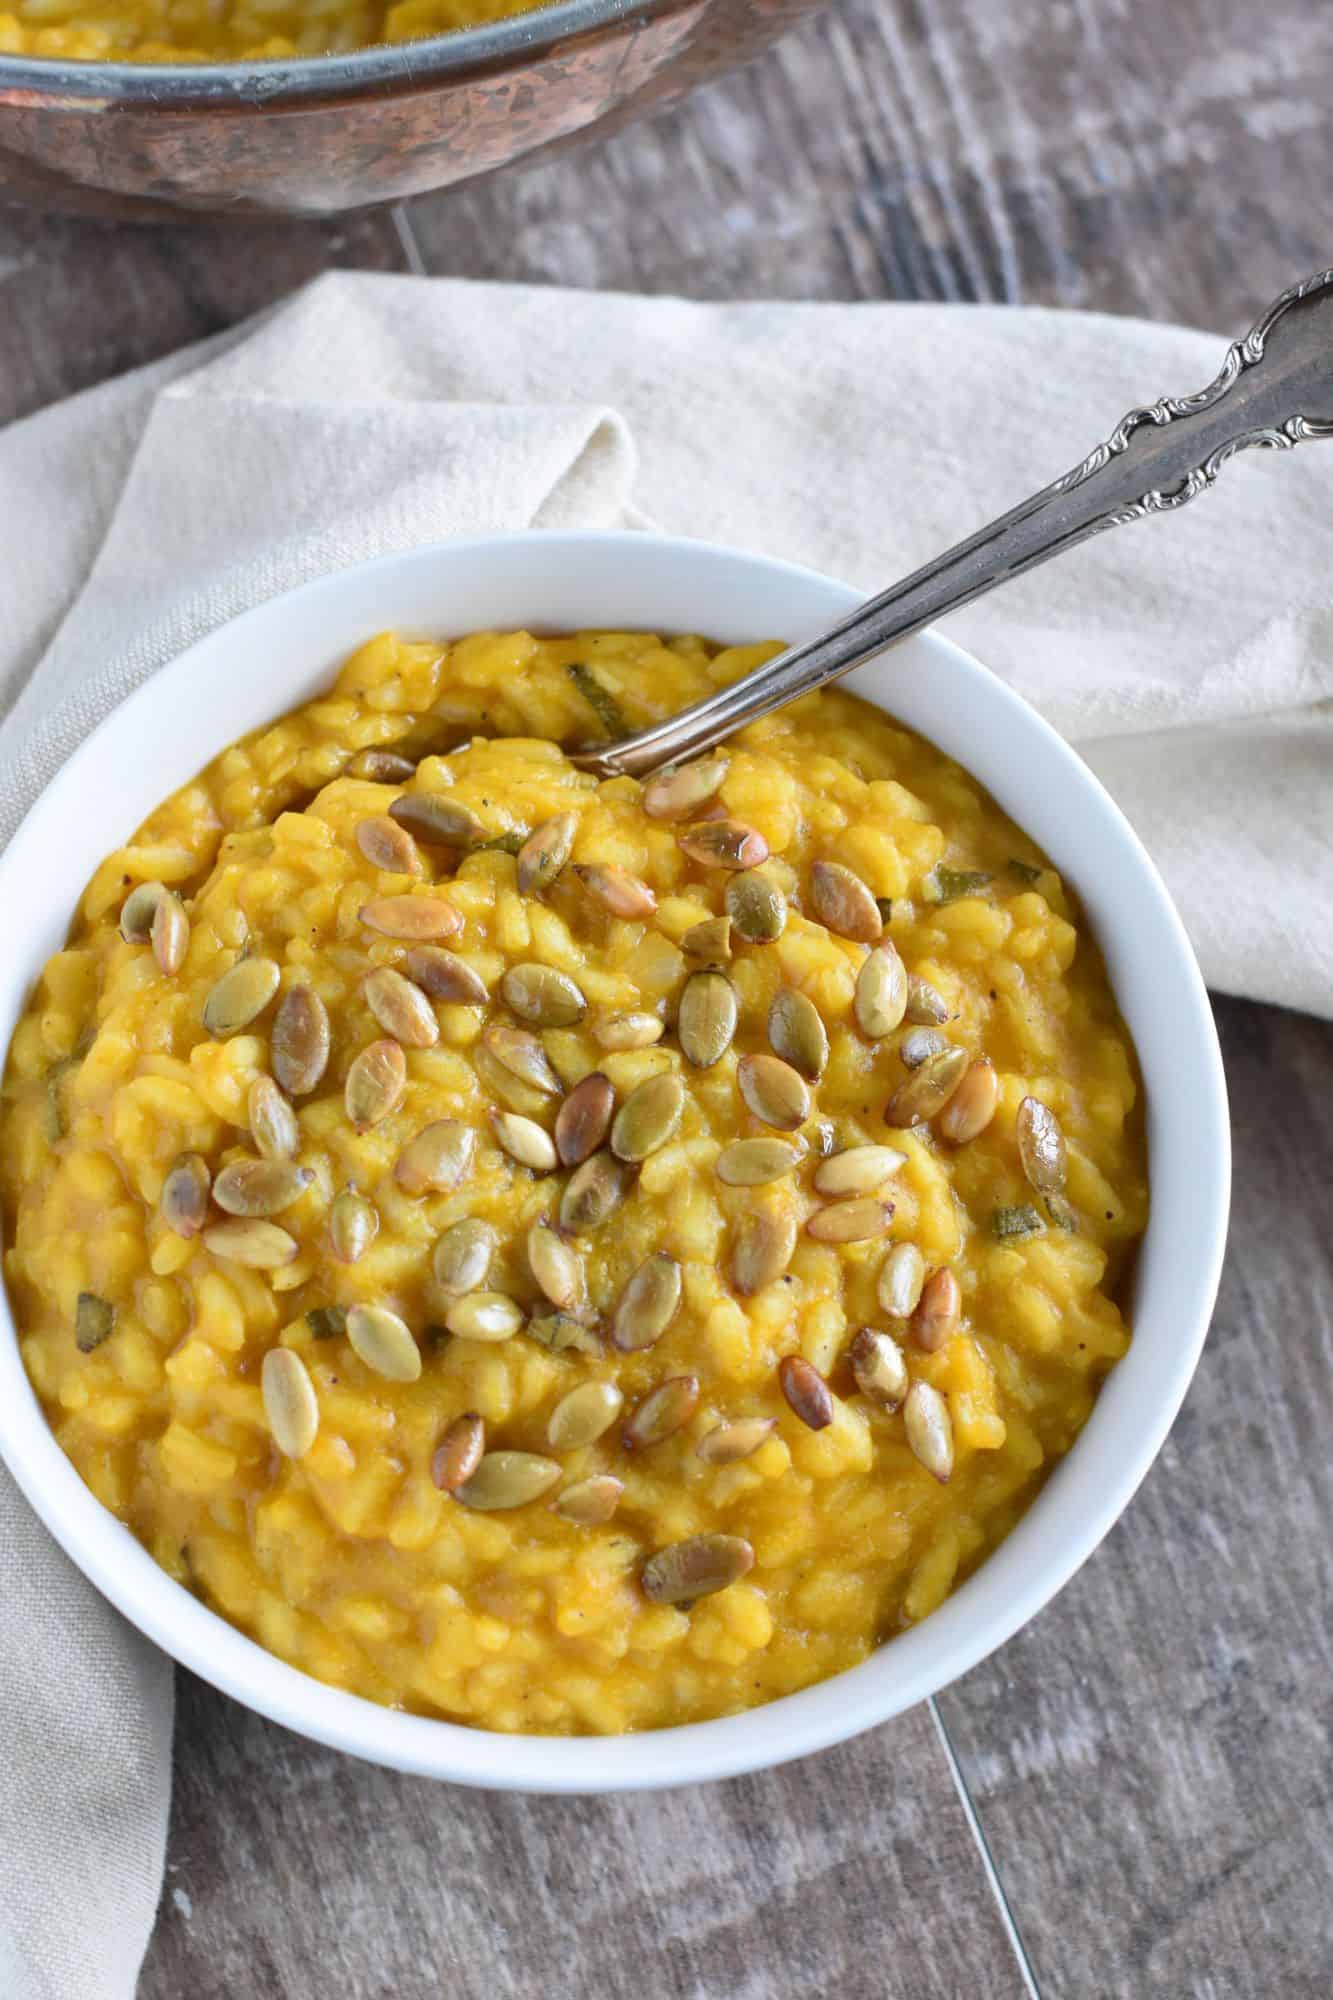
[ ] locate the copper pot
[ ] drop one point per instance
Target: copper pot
(321, 135)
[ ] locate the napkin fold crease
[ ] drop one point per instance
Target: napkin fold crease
(1190, 660)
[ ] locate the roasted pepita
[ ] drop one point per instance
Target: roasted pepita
(928, 1089)
(462, 1256)
(240, 996)
(1041, 1146)
(375, 1084)
(592, 1192)
(437, 821)
(797, 1033)
(697, 1567)
(262, 1246)
(756, 906)
(506, 1479)
(919, 1044)
(401, 1008)
(675, 794)
(290, 1403)
(648, 1303)
(300, 1041)
(662, 1412)
(857, 1221)
(755, 1162)
(729, 1443)
(353, 1226)
(973, 1105)
(445, 976)
(925, 1006)
(859, 1170)
(584, 1119)
(416, 919)
(878, 1367)
(273, 1124)
(773, 1091)
(929, 1429)
(542, 996)
(555, 1265)
(491, 1316)
(938, 1311)
(706, 1018)
(623, 894)
(138, 910)
(841, 902)
(260, 1187)
(437, 1159)
(723, 843)
(381, 767)
(880, 1000)
(545, 852)
(170, 934)
(184, 1197)
(524, 1140)
(808, 1394)
(711, 939)
(523, 1055)
(590, 1502)
(387, 846)
(901, 1278)
(648, 1117)
(764, 1245)
(459, 1452)
(627, 1031)
(583, 1416)
(384, 1342)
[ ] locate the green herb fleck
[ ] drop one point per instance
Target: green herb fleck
(501, 843)
(1011, 1224)
(94, 1320)
(327, 1322)
(950, 883)
(602, 703)
(1024, 869)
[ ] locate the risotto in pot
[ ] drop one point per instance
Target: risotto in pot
(560, 1255)
(174, 31)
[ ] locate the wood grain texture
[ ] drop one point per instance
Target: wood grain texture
(1152, 1759)
(294, 1872)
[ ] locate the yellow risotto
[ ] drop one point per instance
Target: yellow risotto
(570, 1256)
(229, 30)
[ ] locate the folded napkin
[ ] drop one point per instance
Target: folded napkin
(1189, 660)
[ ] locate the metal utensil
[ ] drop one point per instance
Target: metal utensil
(1274, 389)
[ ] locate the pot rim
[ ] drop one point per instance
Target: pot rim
(357, 72)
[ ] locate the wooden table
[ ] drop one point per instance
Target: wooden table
(1133, 1797)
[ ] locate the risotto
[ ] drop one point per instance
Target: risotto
(229, 30)
(570, 1256)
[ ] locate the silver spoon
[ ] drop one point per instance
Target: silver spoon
(1275, 388)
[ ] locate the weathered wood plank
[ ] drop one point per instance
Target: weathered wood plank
(294, 1871)
(1152, 1759)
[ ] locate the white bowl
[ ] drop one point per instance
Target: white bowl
(285, 651)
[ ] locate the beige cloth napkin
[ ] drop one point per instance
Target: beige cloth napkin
(1191, 660)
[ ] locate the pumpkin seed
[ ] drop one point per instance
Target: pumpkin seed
(524, 1140)
(563, 1334)
(327, 1322)
(928, 1089)
(138, 910)
(381, 767)
(648, 1117)
(773, 1091)
(627, 1031)
(437, 1159)
(290, 1403)
(797, 1033)
(623, 894)
(675, 794)
(506, 1479)
(648, 1303)
(1061, 1213)
(756, 906)
(240, 996)
(706, 1018)
(170, 933)
(262, 1246)
(850, 1221)
(384, 1342)
(439, 822)
(858, 1170)
(662, 1412)
(879, 1368)
(557, 1268)
(584, 1119)
(881, 992)
(459, 1452)
(764, 1246)
(462, 1256)
(938, 1311)
(484, 1316)
(755, 1162)
(545, 852)
(929, 1429)
(94, 1321)
(353, 1226)
(590, 1502)
(731, 1442)
(387, 846)
(599, 699)
(698, 1567)
(724, 843)
(523, 1056)
(413, 918)
(592, 1192)
(925, 1006)
(273, 1123)
(711, 939)
(806, 1391)
(299, 1044)
(973, 1105)
(842, 903)
(582, 1416)
(901, 1278)
(445, 976)
(401, 1008)
(260, 1187)
(375, 1084)
(1013, 1224)
(919, 1044)
(1041, 1146)
(542, 996)
(184, 1197)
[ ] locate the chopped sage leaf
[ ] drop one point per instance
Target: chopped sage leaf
(94, 1319)
(602, 703)
(1011, 1223)
(950, 883)
(1024, 869)
(327, 1322)
(501, 843)
(884, 904)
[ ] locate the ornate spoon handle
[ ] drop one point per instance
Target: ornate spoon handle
(1274, 389)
